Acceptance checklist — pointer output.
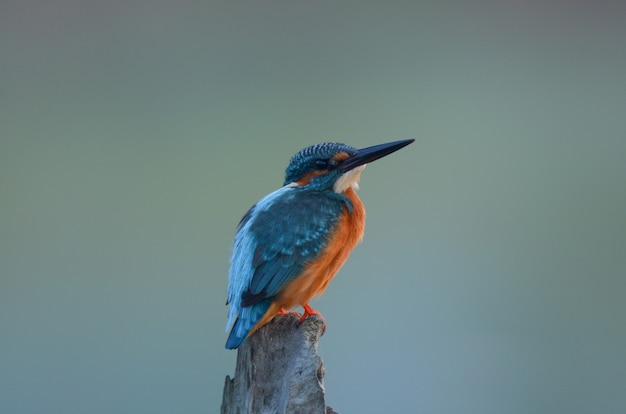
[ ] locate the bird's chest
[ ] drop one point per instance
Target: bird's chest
(319, 272)
(351, 225)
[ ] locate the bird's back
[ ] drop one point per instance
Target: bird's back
(287, 249)
(291, 244)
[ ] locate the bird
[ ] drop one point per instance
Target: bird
(291, 243)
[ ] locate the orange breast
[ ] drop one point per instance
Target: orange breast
(317, 274)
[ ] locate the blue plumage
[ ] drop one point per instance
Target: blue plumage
(308, 160)
(288, 229)
(248, 317)
(276, 238)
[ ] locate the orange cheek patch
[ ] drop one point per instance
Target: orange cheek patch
(341, 156)
(306, 179)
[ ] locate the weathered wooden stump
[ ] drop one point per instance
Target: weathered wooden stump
(279, 370)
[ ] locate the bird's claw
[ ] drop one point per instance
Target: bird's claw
(308, 311)
(284, 311)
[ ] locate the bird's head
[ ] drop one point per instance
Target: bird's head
(331, 165)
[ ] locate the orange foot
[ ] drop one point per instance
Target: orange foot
(308, 311)
(284, 311)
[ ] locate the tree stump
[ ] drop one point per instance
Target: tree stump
(279, 370)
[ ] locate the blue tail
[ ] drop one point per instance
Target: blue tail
(248, 317)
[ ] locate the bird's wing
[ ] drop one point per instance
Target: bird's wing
(281, 236)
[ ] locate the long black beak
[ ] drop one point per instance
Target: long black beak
(369, 154)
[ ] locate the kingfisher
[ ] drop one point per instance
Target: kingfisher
(292, 242)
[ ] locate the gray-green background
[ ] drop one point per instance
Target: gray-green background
(134, 135)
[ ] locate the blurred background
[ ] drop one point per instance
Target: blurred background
(134, 136)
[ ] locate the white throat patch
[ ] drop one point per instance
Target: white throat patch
(349, 179)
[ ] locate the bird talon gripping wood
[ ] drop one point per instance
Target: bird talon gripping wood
(308, 311)
(292, 242)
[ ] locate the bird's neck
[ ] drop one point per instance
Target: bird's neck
(356, 214)
(348, 180)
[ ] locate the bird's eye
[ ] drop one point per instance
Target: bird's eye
(321, 164)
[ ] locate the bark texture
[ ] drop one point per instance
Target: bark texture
(279, 370)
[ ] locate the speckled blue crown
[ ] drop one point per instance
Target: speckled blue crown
(304, 160)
